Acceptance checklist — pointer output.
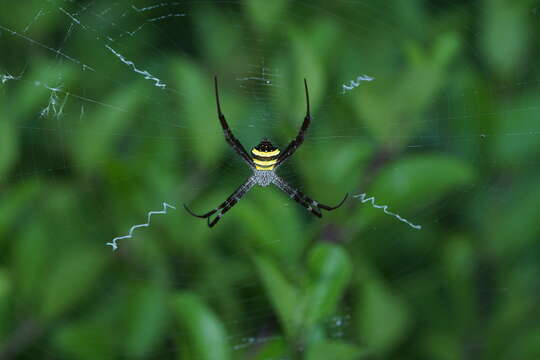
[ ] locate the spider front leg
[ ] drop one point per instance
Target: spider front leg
(311, 205)
(229, 136)
(226, 205)
(299, 139)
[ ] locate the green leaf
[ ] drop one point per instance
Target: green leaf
(330, 269)
(459, 267)
(511, 152)
(273, 348)
(99, 332)
(515, 212)
(15, 200)
(283, 295)
(265, 14)
(442, 345)
(199, 112)
(86, 340)
(219, 42)
(335, 350)
(260, 205)
(382, 317)
(98, 135)
(31, 261)
(411, 93)
(5, 308)
(203, 329)
(525, 346)
(73, 276)
(416, 181)
(344, 168)
(423, 177)
(147, 311)
(506, 34)
(8, 141)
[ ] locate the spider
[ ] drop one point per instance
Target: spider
(264, 160)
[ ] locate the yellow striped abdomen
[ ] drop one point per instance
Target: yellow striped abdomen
(265, 160)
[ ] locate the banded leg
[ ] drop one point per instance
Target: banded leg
(293, 145)
(311, 205)
(226, 205)
(229, 137)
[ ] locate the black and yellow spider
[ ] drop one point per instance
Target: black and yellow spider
(265, 159)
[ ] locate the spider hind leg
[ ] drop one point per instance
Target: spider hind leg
(208, 214)
(226, 205)
(311, 205)
(330, 208)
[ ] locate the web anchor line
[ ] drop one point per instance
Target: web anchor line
(114, 244)
(363, 199)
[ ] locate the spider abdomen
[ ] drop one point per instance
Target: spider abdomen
(265, 163)
(265, 155)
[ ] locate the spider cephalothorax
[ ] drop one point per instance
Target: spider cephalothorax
(264, 160)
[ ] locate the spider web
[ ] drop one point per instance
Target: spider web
(114, 102)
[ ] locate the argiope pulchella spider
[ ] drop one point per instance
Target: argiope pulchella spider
(265, 159)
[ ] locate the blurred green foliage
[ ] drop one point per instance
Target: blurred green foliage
(446, 135)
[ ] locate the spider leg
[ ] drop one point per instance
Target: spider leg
(330, 208)
(311, 205)
(293, 145)
(226, 205)
(204, 216)
(229, 137)
(299, 197)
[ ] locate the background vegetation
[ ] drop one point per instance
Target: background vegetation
(447, 135)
